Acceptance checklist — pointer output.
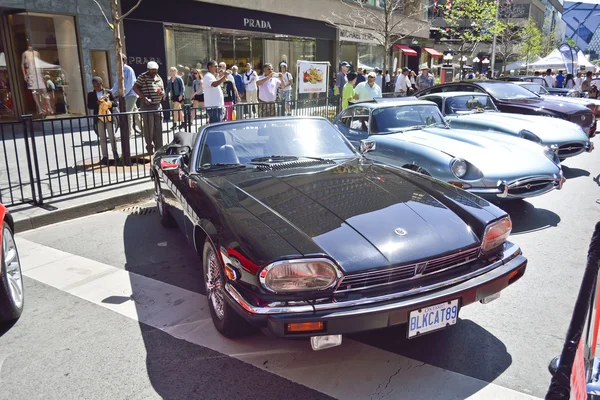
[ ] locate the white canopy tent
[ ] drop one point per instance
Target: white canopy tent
(521, 64)
(552, 60)
(583, 61)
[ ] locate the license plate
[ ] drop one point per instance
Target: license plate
(432, 318)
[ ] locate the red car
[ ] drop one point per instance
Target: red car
(11, 280)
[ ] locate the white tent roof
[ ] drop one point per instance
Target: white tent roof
(582, 61)
(521, 64)
(552, 60)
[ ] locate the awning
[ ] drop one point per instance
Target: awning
(434, 53)
(405, 49)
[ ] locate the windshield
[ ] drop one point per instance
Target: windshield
(469, 104)
(508, 91)
(535, 88)
(240, 143)
(400, 118)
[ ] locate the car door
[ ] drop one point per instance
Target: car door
(354, 124)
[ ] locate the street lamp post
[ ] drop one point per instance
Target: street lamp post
(495, 38)
(476, 60)
(448, 58)
(485, 63)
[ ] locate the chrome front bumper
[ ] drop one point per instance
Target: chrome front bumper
(502, 191)
(510, 252)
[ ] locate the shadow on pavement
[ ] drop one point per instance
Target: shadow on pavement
(466, 348)
(6, 326)
(179, 369)
(570, 172)
(527, 218)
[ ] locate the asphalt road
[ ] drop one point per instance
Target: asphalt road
(115, 308)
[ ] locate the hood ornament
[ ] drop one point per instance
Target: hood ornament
(400, 232)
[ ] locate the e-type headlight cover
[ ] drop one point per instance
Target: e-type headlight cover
(302, 275)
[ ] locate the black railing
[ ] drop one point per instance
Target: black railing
(45, 159)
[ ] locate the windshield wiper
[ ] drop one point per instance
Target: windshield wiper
(224, 165)
(274, 158)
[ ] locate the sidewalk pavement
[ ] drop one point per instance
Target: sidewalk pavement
(77, 205)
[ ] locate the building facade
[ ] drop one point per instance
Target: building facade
(192, 32)
(49, 51)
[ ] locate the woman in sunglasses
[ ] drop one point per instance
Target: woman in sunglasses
(198, 94)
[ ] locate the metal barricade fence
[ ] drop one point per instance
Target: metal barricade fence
(577, 366)
(46, 159)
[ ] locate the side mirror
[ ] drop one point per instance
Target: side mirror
(367, 145)
(169, 163)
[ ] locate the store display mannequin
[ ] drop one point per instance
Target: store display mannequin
(30, 62)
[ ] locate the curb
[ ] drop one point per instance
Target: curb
(94, 207)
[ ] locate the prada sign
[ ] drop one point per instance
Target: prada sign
(257, 23)
(143, 60)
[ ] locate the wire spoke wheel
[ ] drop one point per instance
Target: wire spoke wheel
(214, 284)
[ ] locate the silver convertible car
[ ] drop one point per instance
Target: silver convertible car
(476, 111)
(413, 134)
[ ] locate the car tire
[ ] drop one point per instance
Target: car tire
(12, 297)
(227, 321)
(166, 219)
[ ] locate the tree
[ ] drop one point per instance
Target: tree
(550, 42)
(393, 21)
(471, 22)
(508, 43)
(531, 42)
(117, 26)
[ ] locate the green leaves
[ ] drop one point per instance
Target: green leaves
(531, 41)
(472, 20)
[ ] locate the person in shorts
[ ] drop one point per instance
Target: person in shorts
(286, 88)
(175, 92)
(197, 91)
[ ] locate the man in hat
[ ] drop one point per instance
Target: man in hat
(151, 89)
(368, 90)
(402, 83)
(341, 79)
(425, 79)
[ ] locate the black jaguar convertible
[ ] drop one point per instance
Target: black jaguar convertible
(304, 237)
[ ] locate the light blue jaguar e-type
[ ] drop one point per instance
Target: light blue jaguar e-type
(476, 111)
(413, 134)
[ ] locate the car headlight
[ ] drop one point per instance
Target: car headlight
(551, 153)
(496, 233)
(293, 276)
(525, 134)
(458, 167)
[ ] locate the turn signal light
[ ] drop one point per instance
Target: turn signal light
(461, 185)
(516, 274)
(296, 327)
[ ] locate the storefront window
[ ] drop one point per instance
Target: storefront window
(7, 110)
(49, 63)
(370, 56)
(187, 49)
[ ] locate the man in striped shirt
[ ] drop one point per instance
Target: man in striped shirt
(150, 87)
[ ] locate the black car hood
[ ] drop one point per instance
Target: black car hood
(362, 215)
(541, 103)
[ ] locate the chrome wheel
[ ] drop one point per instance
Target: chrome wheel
(214, 284)
(13, 267)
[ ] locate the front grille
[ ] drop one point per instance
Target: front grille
(388, 276)
(529, 186)
(291, 164)
(583, 119)
(570, 149)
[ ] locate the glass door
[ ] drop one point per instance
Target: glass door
(243, 51)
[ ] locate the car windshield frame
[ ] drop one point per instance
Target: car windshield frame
(543, 91)
(490, 104)
(374, 123)
(247, 143)
(495, 90)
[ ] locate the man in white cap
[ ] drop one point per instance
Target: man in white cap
(151, 89)
(425, 79)
(368, 90)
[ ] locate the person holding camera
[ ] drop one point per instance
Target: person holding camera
(213, 95)
(101, 101)
(268, 83)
